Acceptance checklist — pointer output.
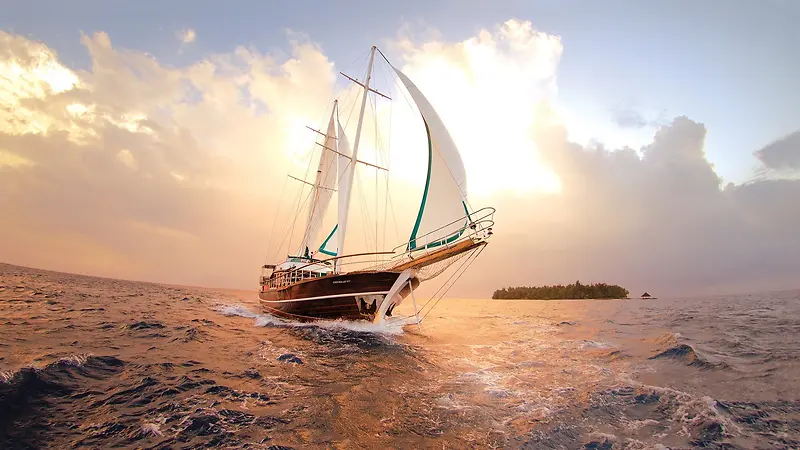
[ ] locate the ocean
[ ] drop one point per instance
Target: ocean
(98, 363)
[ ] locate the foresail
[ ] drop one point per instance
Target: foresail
(324, 186)
(444, 199)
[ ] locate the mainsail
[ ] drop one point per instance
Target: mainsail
(323, 188)
(444, 199)
(334, 242)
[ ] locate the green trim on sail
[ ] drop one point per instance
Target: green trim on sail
(322, 247)
(412, 243)
(452, 238)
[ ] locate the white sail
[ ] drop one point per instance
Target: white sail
(444, 199)
(347, 170)
(324, 186)
(334, 241)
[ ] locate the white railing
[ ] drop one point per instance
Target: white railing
(282, 278)
(477, 226)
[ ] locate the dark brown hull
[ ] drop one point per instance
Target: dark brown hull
(349, 296)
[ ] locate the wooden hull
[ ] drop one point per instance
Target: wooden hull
(348, 296)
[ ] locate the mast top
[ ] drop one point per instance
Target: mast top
(365, 85)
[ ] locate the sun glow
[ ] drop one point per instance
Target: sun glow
(299, 140)
(486, 90)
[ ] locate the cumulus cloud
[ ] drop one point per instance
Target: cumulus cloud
(134, 168)
(186, 36)
(782, 155)
(660, 222)
(137, 169)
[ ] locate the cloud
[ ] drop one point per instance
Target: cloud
(633, 119)
(781, 155)
(659, 222)
(138, 169)
(186, 36)
(131, 156)
(628, 118)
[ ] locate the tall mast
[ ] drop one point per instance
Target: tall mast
(363, 103)
(348, 178)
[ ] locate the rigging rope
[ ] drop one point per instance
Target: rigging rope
(291, 228)
(467, 262)
(388, 161)
(274, 222)
(374, 106)
(393, 76)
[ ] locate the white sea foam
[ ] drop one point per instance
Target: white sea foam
(236, 310)
(7, 375)
(75, 360)
(594, 344)
(688, 409)
(151, 429)
(391, 326)
(603, 436)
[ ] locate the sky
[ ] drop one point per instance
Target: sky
(651, 144)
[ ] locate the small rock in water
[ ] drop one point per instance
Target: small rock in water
(290, 358)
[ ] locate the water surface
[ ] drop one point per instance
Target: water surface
(97, 363)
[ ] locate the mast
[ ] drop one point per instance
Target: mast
(347, 179)
(312, 223)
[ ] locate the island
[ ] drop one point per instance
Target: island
(561, 292)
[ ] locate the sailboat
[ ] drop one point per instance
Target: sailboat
(323, 282)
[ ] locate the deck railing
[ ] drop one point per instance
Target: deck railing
(476, 226)
(286, 277)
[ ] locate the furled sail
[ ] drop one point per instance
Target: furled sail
(444, 199)
(324, 186)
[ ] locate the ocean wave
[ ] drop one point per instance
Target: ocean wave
(24, 391)
(103, 401)
(687, 354)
